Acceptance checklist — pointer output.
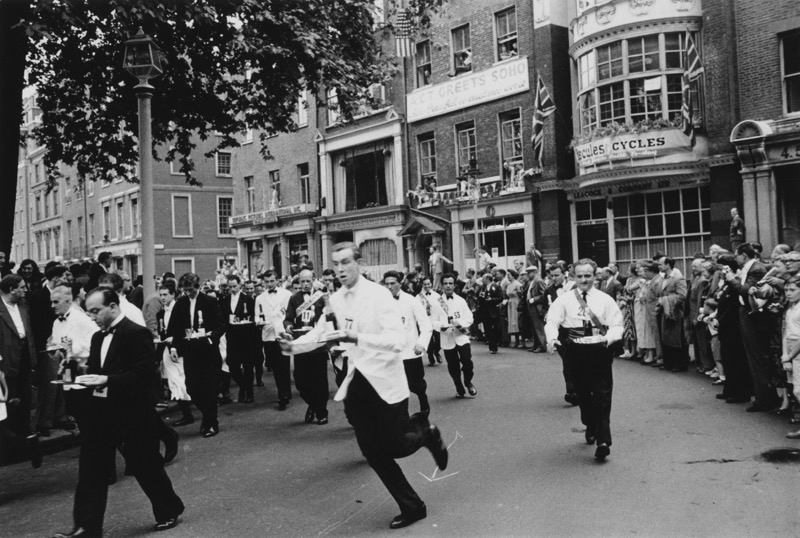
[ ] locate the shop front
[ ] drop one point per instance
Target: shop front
(276, 239)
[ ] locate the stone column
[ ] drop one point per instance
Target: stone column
(411, 248)
(397, 166)
(285, 266)
(325, 239)
(749, 211)
(312, 252)
(767, 209)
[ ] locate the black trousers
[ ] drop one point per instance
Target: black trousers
(17, 426)
(415, 373)
(434, 347)
(281, 370)
(101, 435)
(311, 380)
(240, 359)
(202, 365)
(459, 362)
(738, 381)
(756, 338)
(384, 433)
(491, 330)
(675, 358)
(590, 368)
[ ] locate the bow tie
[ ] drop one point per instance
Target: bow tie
(109, 331)
(63, 318)
(272, 291)
(396, 297)
(427, 293)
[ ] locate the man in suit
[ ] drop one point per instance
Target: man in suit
(238, 307)
(310, 369)
(553, 291)
(697, 333)
(671, 304)
(121, 373)
(17, 360)
(199, 315)
(533, 303)
(608, 283)
(755, 328)
(99, 269)
(489, 298)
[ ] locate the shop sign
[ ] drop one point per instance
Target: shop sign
(500, 81)
(271, 216)
(630, 147)
(370, 222)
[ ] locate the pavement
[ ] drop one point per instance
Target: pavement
(682, 464)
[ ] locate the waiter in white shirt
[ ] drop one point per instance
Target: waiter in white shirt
(115, 282)
(270, 313)
(418, 329)
(455, 339)
(431, 302)
(375, 391)
(73, 330)
(584, 322)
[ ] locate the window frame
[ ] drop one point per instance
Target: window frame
(305, 183)
(182, 259)
(119, 214)
(501, 41)
(427, 140)
(249, 194)
(220, 198)
(188, 196)
(136, 219)
(505, 118)
(419, 68)
(217, 164)
(464, 127)
(460, 65)
(795, 34)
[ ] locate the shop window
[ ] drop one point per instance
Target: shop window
(507, 235)
(791, 72)
(467, 144)
(506, 26)
(423, 62)
(378, 252)
(462, 50)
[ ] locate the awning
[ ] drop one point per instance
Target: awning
(420, 225)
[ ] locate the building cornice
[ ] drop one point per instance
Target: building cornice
(693, 24)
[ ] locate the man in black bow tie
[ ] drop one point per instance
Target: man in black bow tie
(121, 410)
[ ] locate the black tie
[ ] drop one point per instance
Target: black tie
(109, 331)
(272, 291)
(427, 293)
(584, 296)
(396, 297)
(62, 318)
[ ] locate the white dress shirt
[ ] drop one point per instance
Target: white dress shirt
(16, 317)
(413, 315)
(370, 310)
(107, 340)
(131, 312)
(433, 306)
(234, 301)
(273, 307)
(567, 312)
(79, 328)
(457, 309)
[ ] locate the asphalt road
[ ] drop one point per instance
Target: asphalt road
(682, 464)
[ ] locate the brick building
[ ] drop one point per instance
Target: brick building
(75, 221)
(470, 97)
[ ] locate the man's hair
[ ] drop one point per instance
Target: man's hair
(758, 247)
(56, 271)
(111, 280)
(234, 277)
(435, 247)
(650, 265)
(77, 286)
(348, 245)
(138, 281)
(587, 261)
(711, 303)
(168, 285)
(423, 279)
(109, 296)
(329, 271)
(103, 256)
(669, 261)
(448, 275)
(393, 274)
(10, 282)
(728, 260)
(746, 249)
(189, 279)
(63, 289)
(501, 271)
(168, 274)
(270, 273)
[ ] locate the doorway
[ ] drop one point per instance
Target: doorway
(593, 243)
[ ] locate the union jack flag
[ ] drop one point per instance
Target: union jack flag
(402, 35)
(543, 106)
(694, 68)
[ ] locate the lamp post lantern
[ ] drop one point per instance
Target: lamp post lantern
(142, 59)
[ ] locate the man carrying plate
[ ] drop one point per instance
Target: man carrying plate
(584, 322)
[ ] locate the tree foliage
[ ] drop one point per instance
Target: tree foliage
(231, 65)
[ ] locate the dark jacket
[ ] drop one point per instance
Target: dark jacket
(11, 344)
(180, 320)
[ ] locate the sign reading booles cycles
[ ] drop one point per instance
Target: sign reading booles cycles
(497, 82)
(648, 145)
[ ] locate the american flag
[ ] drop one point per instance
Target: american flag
(694, 68)
(543, 106)
(402, 35)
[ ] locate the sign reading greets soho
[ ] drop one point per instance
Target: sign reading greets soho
(648, 145)
(500, 81)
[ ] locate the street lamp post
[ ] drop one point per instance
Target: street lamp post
(142, 59)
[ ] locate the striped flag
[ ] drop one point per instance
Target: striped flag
(694, 68)
(402, 35)
(543, 106)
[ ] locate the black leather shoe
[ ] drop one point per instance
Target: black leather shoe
(248, 396)
(183, 421)
(404, 520)
(224, 400)
(435, 444)
(571, 398)
(460, 395)
(737, 400)
(78, 532)
(590, 438)
(211, 432)
(171, 447)
(309, 415)
(322, 421)
(472, 390)
(282, 405)
(438, 359)
(167, 524)
(242, 396)
(35, 450)
(602, 452)
(259, 383)
(757, 408)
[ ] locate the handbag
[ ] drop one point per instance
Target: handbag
(616, 348)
